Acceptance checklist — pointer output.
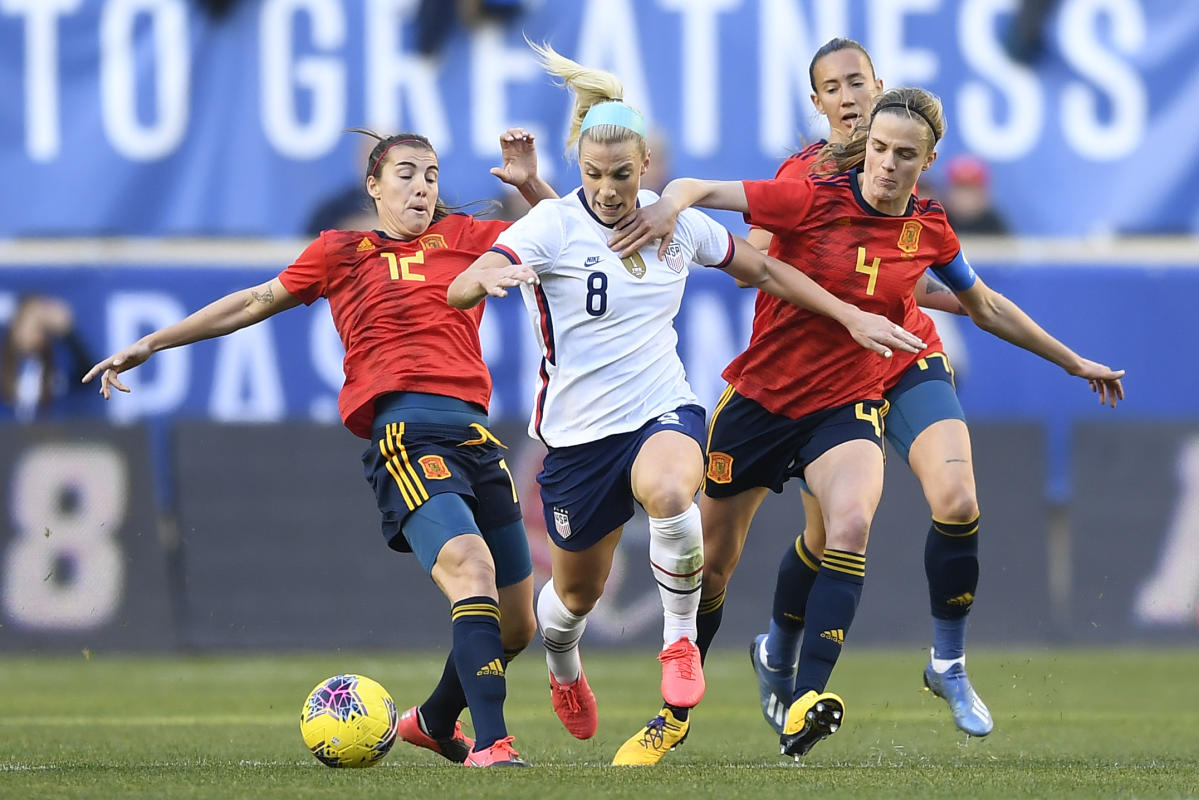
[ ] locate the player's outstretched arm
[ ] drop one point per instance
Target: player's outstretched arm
(519, 168)
(996, 314)
(656, 221)
(232, 312)
(491, 275)
(751, 267)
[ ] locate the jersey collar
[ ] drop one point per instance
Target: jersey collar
(869, 209)
(583, 201)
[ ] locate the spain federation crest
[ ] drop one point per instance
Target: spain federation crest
(432, 241)
(720, 467)
(909, 237)
(434, 467)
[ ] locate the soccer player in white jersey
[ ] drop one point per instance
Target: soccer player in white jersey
(613, 405)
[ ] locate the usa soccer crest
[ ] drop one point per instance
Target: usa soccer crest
(562, 522)
(909, 237)
(674, 257)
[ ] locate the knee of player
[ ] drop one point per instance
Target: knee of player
(957, 503)
(717, 574)
(466, 561)
(849, 531)
(669, 498)
(517, 629)
(579, 598)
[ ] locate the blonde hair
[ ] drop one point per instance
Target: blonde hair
(916, 104)
(590, 87)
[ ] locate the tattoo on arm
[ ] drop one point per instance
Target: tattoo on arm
(934, 286)
(266, 297)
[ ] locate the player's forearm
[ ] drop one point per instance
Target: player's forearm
(1003, 318)
(535, 190)
(230, 313)
(466, 290)
(792, 285)
(686, 192)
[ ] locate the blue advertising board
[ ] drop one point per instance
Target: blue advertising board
(158, 117)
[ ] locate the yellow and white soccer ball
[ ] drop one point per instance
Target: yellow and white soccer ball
(349, 721)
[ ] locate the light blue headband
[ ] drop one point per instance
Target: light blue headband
(614, 112)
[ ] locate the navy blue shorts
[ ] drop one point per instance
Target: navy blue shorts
(586, 489)
(410, 462)
(749, 446)
(923, 395)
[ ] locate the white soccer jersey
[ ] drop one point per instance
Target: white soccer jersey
(610, 360)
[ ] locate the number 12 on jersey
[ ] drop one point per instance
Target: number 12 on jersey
(401, 268)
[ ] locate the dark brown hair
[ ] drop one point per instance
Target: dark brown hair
(832, 46)
(441, 210)
(918, 104)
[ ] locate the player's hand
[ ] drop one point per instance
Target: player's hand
(519, 156)
(1104, 381)
(641, 226)
(876, 332)
(498, 280)
(109, 368)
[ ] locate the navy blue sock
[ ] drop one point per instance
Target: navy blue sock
(797, 572)
(445, 704)
(707, 622)
(831, 606)
(951, 564)
(479, 660)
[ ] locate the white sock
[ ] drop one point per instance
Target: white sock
(943, 664)
(676, 555)
(560, 633)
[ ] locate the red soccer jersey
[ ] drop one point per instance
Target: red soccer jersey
(921, 324)
(914, 319)
(800, 164)
(799, 362)
(388, 299)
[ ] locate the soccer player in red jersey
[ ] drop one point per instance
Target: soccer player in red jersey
(844, 86)
(800, 402)
(926, 426)
(416, 386)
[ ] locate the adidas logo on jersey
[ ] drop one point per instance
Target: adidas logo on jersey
(492, 667)
(365, 244)
(835, 635)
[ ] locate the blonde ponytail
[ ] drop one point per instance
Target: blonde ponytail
(590, 87)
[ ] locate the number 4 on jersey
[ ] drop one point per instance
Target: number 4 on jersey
(871, 270)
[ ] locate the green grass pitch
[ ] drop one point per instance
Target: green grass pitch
(1068, 723)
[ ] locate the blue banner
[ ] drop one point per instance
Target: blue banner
(156, 117)
(289, 367)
